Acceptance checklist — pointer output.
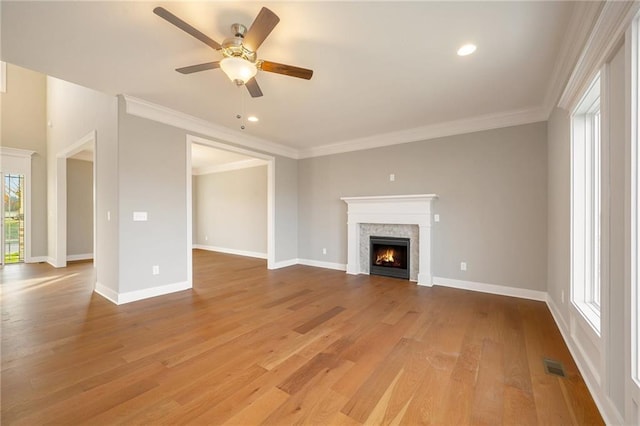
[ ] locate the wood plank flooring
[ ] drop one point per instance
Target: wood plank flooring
(299, 345)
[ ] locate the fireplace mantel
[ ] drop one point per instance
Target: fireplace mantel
(391, 209)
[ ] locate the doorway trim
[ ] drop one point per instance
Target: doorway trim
(270, 197)
(88, 141)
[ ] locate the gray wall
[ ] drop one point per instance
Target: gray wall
(79, 207)
(24, 116)
(493, 201)
(151, 178)
(286, 209)
(231, 209)
(74, 111)
(559, 209)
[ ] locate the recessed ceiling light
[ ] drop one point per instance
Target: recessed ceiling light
(467, 49)
(252, 118)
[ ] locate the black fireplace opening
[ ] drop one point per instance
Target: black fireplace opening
(389, 256)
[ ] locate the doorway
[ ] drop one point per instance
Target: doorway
(249, 156)
(15, 180)
(13, 218)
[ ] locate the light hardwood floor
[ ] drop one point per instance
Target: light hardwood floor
(297, 345)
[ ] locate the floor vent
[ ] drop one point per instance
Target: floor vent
(553, 367)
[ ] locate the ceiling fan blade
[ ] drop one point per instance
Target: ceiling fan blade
(253, 88)
(200, 67)
(264, 23)
(173, 19)
(289, 70)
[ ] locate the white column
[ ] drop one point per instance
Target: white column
(353, 248)
(424, 273)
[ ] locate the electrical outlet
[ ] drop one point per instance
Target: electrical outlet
(156, 270)
(324, 251)
(206, 238)
(392, 177)
(436, 218)
(463, 266)
(108, 216)
(562, 296)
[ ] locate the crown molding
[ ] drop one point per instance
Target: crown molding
(457, 127)
(236, 165)
(16, 152)
(151, 111)
(161, 114)
(607, 32)
(582, 20)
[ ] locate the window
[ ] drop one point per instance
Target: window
(585, 205)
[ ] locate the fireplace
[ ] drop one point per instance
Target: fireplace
(371, 211)
(389, 256)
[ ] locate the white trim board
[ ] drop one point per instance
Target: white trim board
(284, 264)
(431, 131)
(227, 167)
(522, 293)
(37, 259)
(247, 253)
(608, 30)
(133, 296)
(606, 407)
(3, 77)
(161, 114)
(145, 109)
(310, 262)
(84, 256)
(320, 264)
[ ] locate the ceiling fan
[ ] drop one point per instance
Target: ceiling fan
(240, 61)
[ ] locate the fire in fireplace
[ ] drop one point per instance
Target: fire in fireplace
(389, 256)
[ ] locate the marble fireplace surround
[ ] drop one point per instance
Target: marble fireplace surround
(365, 212)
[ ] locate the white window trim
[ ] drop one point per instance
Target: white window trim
(582, 193)
(633, 282)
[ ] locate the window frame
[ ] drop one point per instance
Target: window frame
(586, 200)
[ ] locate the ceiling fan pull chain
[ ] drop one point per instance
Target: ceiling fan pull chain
(243, 113)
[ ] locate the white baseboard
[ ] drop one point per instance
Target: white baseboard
(51, 261)
(107, 293)
(247, 253)
(283, 264)
(85, 256)
(606, 407)
(319, 264)
(522, 293)
(133, 296)
(37, 259)
(146, 293)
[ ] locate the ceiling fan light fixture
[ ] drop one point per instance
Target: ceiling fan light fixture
(467, 49)
(238, 69)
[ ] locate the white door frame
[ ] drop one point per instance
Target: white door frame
(270, 197)
(88, 141)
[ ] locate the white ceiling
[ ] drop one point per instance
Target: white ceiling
(379, 67)
(206, 159)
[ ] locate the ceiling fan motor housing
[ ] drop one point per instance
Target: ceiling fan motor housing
(233, 46)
